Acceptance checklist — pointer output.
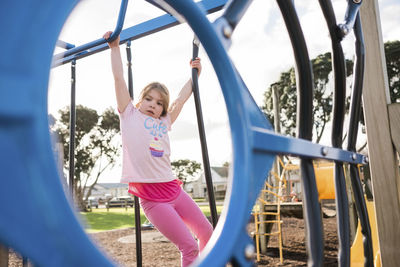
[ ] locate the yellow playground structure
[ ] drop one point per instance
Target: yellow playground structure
(277, 195)
(357, 250)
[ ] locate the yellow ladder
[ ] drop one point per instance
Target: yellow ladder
(277, 193)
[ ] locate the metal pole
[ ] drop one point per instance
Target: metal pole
(129, 57)
(138, 224)
(277, 124)
(304, 82)
(3, 256)
(339, 97)
(25, 262)
(72, 119)
(138, 233)
(203, 141)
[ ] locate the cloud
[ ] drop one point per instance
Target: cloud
(218, 145)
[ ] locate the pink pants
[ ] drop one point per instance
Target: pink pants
(176, 220)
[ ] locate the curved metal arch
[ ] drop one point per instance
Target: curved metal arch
(38, 221)
(339, 68)
(305, 85)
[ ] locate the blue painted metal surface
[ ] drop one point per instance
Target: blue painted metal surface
(114, 35)
(154, 3)
(230, 241)
(132, 33)
(64, 45)
(36, 218)
(270, 141)
(234, 12)
(350, 18)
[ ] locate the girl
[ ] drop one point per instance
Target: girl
(146, 165)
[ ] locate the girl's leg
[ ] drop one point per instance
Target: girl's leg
(193, 218)
(164, 217)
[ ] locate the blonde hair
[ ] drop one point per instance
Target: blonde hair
(162, 89)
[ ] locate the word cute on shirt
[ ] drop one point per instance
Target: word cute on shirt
(156, 128)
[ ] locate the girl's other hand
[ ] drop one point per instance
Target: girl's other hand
(114, 43)
(196, 64)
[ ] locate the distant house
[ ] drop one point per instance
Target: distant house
(198, 187)
(105, 190)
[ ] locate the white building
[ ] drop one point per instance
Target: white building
(198, 187)
(109, 190)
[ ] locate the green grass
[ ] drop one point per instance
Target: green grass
(207, 212)
(200, 199)
(117, 218)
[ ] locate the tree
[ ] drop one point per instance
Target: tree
(287, 91)
(95, 147)
(185, 169)
(286, 88)
(392, 55)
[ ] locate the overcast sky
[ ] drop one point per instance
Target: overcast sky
(261, 50)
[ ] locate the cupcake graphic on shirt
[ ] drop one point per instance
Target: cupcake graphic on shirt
(156, 148)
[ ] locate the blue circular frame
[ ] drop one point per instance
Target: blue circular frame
(40, 223)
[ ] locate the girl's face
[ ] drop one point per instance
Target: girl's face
(152, 104)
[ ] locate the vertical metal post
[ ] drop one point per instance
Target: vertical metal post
(3, 256)
(277, 123)
(341, 198)
(138, 223)
(72, 120)
(138, 233)
(129, 57)
(203, 141)
(25, 262)
(304, 82)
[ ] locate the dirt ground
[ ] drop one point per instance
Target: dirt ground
(159, 252)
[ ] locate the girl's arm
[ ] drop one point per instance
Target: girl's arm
(184, 94)
(121, 90)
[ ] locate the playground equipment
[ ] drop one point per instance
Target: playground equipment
(324, 175)
(271, 195)
(27, 164)
(357, 246)
(272, 199)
